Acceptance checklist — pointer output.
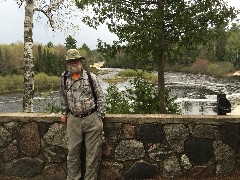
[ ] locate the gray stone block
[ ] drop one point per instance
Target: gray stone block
(5, 136)
(25, 167)
(142, 170)
(176, 135)
(151, 133)
(129, 150)
(56, 135)
(225, 158)
(199, 151)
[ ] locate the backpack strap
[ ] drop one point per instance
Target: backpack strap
(92, 88)
(65, 79)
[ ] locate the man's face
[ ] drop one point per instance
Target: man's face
(74, 66)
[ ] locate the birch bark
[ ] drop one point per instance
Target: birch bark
(28, 58)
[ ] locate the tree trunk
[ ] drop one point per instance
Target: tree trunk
(161, 64)
(28, 58)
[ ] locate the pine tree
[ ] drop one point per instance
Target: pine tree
(70, 43)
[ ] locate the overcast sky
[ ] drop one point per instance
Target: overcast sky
(11, 28)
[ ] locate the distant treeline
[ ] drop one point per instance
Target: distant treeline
(215, 56)
(223, 47)
(48, 59)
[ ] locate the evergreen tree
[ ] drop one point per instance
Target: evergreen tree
(70, 43)
(50, 45)
(85, 47)
(38, 59)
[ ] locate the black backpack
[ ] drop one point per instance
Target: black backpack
(89, 80)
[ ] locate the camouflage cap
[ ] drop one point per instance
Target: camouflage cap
(73, 54)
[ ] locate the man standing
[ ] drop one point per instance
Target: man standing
(83, 108)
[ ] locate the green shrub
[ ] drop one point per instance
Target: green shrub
(11, 83)
(144, 97)
(141, 98)
(220, 69)
(215, 69)
(228, 67)
(116, 101)
(199, 66)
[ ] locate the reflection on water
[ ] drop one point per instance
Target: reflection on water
(198, 107)
(196, 94)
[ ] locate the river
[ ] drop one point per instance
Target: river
(196, 94)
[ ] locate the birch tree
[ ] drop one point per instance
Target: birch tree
(58, 13)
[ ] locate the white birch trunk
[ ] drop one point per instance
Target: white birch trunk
(28, 58)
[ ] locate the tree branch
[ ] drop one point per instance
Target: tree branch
(47, 14)
(49, 9)
(20, 2)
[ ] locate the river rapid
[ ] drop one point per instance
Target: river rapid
(196, 94)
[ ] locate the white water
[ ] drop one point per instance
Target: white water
(196, 94)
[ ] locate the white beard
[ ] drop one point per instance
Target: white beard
(75, 69)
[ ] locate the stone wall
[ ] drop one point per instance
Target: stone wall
(33, 146)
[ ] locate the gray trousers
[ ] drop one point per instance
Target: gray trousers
(92, 128)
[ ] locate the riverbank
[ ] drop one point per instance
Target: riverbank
(14, 83)
(206, 67)
(235, 111)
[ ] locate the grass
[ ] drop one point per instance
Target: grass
(128, 73)
(217, 69)
(14, 83)
(43, 81)
(115, 80)
(11, 83)
(152, 77)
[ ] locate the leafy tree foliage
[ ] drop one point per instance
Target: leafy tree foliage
(233, 45)
(150, 28)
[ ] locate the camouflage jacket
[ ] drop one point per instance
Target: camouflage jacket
(77, 97)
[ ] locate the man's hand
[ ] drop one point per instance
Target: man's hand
(64, 119)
